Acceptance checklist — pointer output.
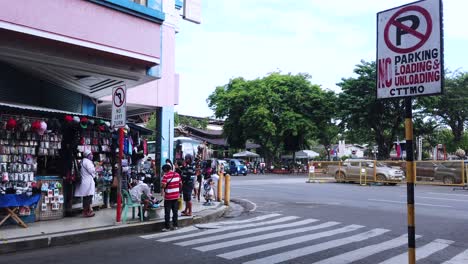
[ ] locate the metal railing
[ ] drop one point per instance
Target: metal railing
(445, 173)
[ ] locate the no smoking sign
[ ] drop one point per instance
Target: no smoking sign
(409, 50)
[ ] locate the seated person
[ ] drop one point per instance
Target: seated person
(141, 193)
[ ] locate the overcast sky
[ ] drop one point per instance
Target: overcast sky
(325, 38)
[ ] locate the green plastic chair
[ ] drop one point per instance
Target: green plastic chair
(129, 203)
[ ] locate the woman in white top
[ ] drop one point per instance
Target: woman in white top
(86, 188)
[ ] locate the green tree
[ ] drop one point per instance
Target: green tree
(325, 118)
(151, 125)
(200, 123)
(278, 111)
(451, 108)
(361, 113)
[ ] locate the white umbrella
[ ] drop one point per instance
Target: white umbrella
(306, 154)
(247, 154)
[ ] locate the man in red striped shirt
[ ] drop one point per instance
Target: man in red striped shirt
(171, 184)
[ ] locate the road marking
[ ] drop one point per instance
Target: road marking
(364, 252)
(399, 202)
(421, 252)
(234, 227)
(245, 232)
(287, 242)
(300, 252)
(442, 199)
(452, 194)
(264, 237)
(179, 231)
(461, 258)
(250, 220)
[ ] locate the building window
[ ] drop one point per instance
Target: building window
(141, 2)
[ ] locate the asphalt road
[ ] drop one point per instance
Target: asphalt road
(296, 222)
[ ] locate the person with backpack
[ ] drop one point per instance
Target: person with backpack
(208, 193)
(86, 188)
(188, 178)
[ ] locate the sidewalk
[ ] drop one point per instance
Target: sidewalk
(78, 229)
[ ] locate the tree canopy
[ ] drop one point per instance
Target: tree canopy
(362, 115)
(281, 112)
(451, 108)
(286, 112)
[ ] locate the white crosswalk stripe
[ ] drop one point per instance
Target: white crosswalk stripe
(461, 258)
(364, 252)
(250, 220)
(287, 242)
(300, 252)
(245, 232)
(277, 238)
(234, 227)
(264, 237)
(421, 252)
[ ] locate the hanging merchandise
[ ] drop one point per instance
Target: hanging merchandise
(94, 135)
(18, 163)
(130, 145)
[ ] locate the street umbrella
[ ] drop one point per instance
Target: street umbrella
(246, 154)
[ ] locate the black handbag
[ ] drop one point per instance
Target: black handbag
(76, 172)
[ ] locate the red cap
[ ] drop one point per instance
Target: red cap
(84, 120)
(68, 118)
(11, 124)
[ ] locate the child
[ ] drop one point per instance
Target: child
(208, 191)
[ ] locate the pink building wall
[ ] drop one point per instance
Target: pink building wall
(165, 91)
(85, 21)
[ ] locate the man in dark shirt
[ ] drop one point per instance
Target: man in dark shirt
(188, 174)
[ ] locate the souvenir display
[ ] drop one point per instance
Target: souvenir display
(52, 196)
(95, 136)
(35, 151)
(19, 142)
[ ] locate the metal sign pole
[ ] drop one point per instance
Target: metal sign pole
(410, 181)
(119, 176)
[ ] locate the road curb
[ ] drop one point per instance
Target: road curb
(74, 237)
(246, 204)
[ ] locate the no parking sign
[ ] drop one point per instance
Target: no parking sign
(409, 50)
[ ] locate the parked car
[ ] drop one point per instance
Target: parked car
(352, 169)
(448, 172)
(237, 167)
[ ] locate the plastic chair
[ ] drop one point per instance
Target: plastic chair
(129, 203)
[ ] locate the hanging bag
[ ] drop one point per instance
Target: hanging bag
(76, 172)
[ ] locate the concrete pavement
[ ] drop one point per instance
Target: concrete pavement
(78, 229)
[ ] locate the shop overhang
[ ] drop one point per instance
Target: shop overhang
(48, 112)
(87, 71)
(82, 46)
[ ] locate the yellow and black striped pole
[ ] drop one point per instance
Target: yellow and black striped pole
(410, 181)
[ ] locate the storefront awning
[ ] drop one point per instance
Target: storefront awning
(80, 69)
(29, 109)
